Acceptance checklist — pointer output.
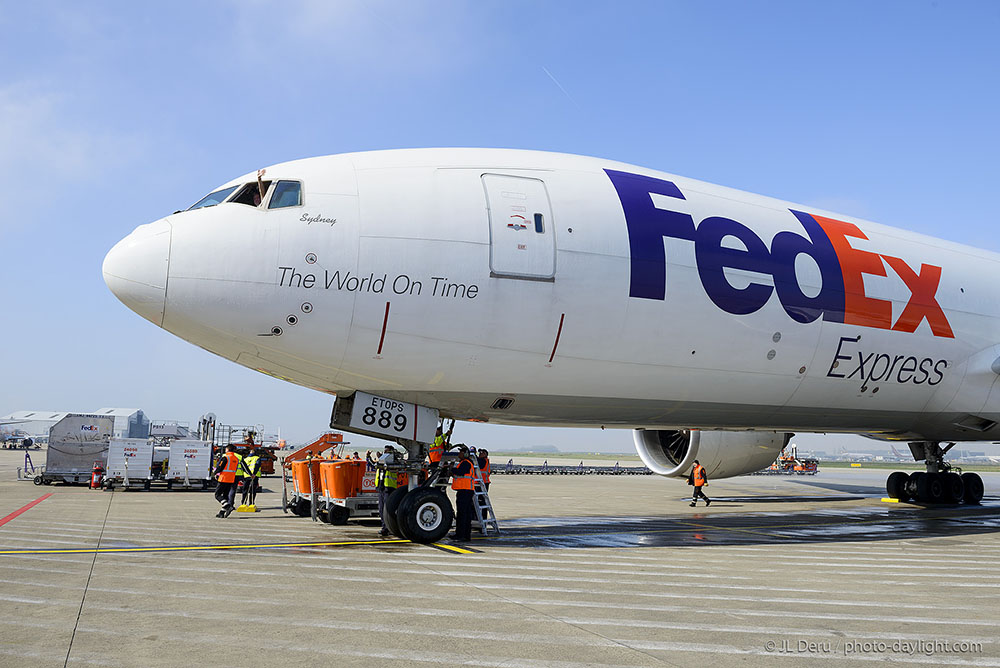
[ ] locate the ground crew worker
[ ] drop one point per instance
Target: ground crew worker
(698, 478)
(386, 482)
(239, 471)
(441, 441)
(225, 473)
(461, 482)
(251, 468)
(483, 457)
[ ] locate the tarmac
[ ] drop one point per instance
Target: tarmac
(588, 571)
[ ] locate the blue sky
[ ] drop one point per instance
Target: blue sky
(113, 114)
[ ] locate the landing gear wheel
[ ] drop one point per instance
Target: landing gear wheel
(911, 488)
(935, 489)
(338, 515)
(973, 488)
(895, 486)
(954, 487)
(391, 507)
(929, 487)
(425, 515)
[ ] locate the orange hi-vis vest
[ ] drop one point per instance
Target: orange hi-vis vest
(699, 475)
(232, 463)
(485, 470)
(436, 450)
(460, 482)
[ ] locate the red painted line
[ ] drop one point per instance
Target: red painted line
(558, 334)
(385, 321)
(25, 509)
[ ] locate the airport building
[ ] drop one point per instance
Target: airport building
(129, 422)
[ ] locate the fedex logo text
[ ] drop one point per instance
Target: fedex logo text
(842, 296)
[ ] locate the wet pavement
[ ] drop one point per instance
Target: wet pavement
(866, 524)
(589, 571)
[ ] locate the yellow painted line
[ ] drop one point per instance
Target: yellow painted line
(886, 499)
(177, 548)
(453, 548)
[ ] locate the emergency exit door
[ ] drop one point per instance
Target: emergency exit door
(522, 237)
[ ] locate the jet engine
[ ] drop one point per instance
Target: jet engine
(722, 453)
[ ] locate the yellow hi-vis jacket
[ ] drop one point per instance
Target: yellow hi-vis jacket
(386, 478)
(251, 464)
(437, 450)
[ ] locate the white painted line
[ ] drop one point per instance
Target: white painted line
(746, 612)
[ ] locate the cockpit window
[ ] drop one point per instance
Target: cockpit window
(286, 193)
(252, 193)
(213, 198)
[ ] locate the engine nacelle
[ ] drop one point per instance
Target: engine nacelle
(722, 453)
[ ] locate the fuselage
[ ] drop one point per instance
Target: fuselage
(535, 288)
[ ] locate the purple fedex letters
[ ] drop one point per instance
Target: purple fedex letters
(842, 297)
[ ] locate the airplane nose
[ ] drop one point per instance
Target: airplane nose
(135, 270)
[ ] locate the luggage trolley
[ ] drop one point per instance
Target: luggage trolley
(130, 462)
(189, 463)
(305, 487)
(348, 491)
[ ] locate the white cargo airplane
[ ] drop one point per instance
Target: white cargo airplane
(532, 288)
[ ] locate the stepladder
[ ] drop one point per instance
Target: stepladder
(485, 516)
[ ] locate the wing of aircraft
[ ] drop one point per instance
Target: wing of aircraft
(533, 288)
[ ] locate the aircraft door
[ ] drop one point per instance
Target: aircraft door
(522, 237)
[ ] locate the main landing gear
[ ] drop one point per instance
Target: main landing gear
(421, 513)
(941, 483)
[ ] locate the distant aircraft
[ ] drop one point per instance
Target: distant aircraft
(15, 438)
(857, 456)
(533, 288)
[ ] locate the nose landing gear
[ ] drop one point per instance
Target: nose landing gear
(941, 483)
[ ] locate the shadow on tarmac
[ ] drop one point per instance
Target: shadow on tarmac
(727, 501)
(863, 490)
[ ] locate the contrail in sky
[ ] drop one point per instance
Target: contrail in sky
(556, 82)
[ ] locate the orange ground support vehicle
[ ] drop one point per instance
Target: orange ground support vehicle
(790, 463)
(806, 466)
(328, 487)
